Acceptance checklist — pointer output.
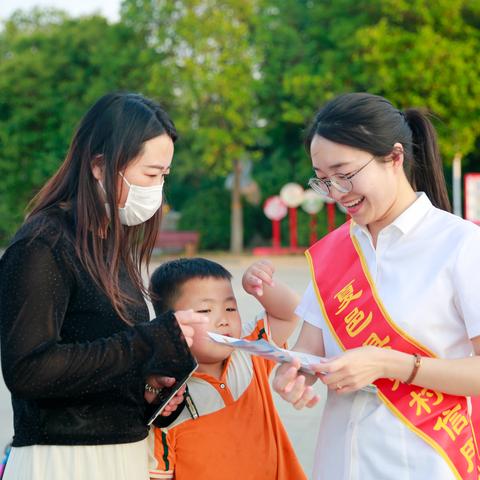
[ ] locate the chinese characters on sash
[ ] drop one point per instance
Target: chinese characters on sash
(356, 321)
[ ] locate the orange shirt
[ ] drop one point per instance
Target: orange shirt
(238, 433)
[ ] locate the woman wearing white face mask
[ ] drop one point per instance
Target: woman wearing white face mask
(77, 343)
(141, 202)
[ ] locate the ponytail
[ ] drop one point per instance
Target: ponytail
(371, 123)
(426, 172)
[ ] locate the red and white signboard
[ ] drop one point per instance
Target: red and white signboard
(292, 195)
(312, 202)
(274, 208)
(472, 197)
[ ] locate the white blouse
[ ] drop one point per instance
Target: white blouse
(426, 267)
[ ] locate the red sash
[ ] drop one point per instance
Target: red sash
(357, 317)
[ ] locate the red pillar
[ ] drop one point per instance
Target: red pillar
(313, 229)
(292, 222)
(276, 233)
(330, 216)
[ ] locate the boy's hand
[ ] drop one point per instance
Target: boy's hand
(187, 319)
(256, 275)
(293, 387)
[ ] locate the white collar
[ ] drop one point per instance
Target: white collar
(409, 218)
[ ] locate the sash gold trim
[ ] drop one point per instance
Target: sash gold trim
(343, 240)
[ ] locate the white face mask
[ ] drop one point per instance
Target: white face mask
(142, 203)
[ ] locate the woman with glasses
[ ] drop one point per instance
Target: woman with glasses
(392, 302)
(76, 340)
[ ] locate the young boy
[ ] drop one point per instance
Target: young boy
(230, 428)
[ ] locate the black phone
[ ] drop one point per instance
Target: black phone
(167, 393)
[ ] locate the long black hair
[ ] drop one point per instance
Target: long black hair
(371, 123)
(112, 132)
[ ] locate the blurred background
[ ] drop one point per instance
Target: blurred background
(241, 79)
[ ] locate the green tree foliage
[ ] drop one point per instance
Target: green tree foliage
(208, 60)
(241, 78)
(198, 214)
(416, 53)
(52, 68)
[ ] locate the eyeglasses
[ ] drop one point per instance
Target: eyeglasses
(342, 183)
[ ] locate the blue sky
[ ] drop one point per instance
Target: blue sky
(108, 8)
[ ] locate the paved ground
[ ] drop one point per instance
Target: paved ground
(301, 425)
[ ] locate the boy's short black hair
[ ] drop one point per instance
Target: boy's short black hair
(169, 277)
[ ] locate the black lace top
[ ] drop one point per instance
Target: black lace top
(75, 369)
